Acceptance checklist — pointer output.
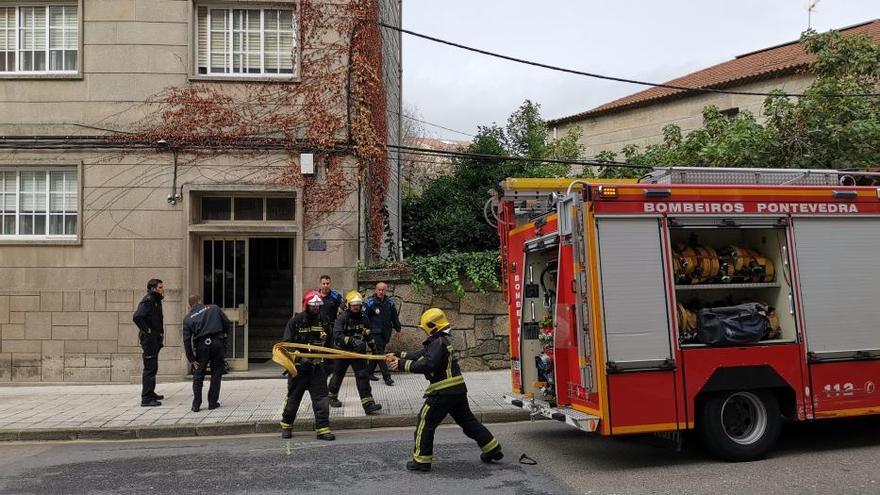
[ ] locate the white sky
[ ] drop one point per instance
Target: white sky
(650, 40)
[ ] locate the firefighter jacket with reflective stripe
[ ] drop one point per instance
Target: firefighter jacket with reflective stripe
(352, 332)
(438, 363)
(307, 328)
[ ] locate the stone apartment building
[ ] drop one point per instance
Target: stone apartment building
(86, 221)
(639, 118)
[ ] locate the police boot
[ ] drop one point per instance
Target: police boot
(372, 408)
(327, 436)
(493, 455)
(418, 466)
(285, 433)
(334, 402)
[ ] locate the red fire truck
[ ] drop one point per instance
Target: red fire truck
(715, 300)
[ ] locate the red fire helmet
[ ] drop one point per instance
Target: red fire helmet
(312, 298)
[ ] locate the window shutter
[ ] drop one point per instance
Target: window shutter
(202, 28)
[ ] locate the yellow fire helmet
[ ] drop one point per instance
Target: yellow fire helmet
(353, 297)
(433, 320)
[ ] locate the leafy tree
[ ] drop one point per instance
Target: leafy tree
(448, 214)
(813, 131)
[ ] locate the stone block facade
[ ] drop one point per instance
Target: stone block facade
(479, 320)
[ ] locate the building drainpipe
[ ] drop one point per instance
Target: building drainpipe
(399, 129)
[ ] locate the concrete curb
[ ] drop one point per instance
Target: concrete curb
(247, 428)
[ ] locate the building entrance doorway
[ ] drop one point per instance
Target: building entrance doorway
(251, 280)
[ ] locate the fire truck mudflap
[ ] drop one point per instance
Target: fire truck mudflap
(537, 407)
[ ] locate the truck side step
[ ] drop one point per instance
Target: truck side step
(536, 407)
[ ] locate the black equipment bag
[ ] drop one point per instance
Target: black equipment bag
(733, 325)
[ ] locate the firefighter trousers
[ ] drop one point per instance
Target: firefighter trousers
(433, 412)
(361, 377)
(311, 378)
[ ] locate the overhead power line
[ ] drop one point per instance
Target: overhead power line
(410, 117)
(612, 78)
(500, 158)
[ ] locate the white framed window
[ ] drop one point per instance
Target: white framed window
(39, 204)
(245, 41)
(39, 39)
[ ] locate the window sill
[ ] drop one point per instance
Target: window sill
(40, 241)
(18, 76)
(241, 79)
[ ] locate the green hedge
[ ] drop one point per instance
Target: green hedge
(482, 269)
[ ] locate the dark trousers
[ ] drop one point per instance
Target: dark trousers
(380, 342)
(311, 377)
(361, 377)
(433, 412)
(208, 353)
(151, 367)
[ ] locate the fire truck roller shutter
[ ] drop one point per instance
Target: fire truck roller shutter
(634, 293)
(839, 283)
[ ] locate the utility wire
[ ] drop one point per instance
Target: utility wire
(484, 156)
(614, 78)
(410, 117)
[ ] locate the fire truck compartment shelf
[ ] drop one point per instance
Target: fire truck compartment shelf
(536, 407)
(767, 285)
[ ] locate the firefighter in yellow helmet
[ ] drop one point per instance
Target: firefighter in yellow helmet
(446, 393)
(351, 332)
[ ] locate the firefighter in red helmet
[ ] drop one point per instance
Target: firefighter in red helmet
(311, 326)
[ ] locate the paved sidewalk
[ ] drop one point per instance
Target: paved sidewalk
(69, 412)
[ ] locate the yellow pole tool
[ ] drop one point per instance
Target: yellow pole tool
(285, 354)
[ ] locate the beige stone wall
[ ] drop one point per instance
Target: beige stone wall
(644, 125)
(479, 319)
(65, 310)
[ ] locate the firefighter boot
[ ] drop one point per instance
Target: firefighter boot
(418, 466)
(372, 408)
(493, 455)
(334, 402)
(286, 433)
(326, 436)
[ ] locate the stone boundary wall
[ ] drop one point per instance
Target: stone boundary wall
(479, 319)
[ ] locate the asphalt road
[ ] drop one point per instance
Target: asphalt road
(829, 457)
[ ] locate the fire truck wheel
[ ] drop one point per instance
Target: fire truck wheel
(740, 426)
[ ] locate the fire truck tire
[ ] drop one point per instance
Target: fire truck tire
(740, 425)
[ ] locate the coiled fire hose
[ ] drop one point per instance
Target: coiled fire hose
(285, 354)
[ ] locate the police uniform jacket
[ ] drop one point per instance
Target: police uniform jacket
(202, 322)
(383, 316)
(436, 360)
(150, 321)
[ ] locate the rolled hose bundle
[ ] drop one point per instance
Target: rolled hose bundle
(285, 354)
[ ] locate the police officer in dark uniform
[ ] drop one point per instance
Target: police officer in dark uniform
(382, 313)
(331, 301)
(311, 326)
(352, 333)
(446, 394)
(205, 329)
(151, 334)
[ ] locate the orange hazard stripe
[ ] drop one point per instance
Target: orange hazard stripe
(841, 413)
(650, 428)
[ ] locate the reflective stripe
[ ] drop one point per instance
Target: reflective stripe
(489, 446)
(417, 452)
(423, 459)
(286, 426)
(366, 400)
(407, 366)
(321, 431)
(403, 354)
(449, 361)
(446, 383)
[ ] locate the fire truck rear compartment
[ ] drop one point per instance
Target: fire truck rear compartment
(539, 299)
